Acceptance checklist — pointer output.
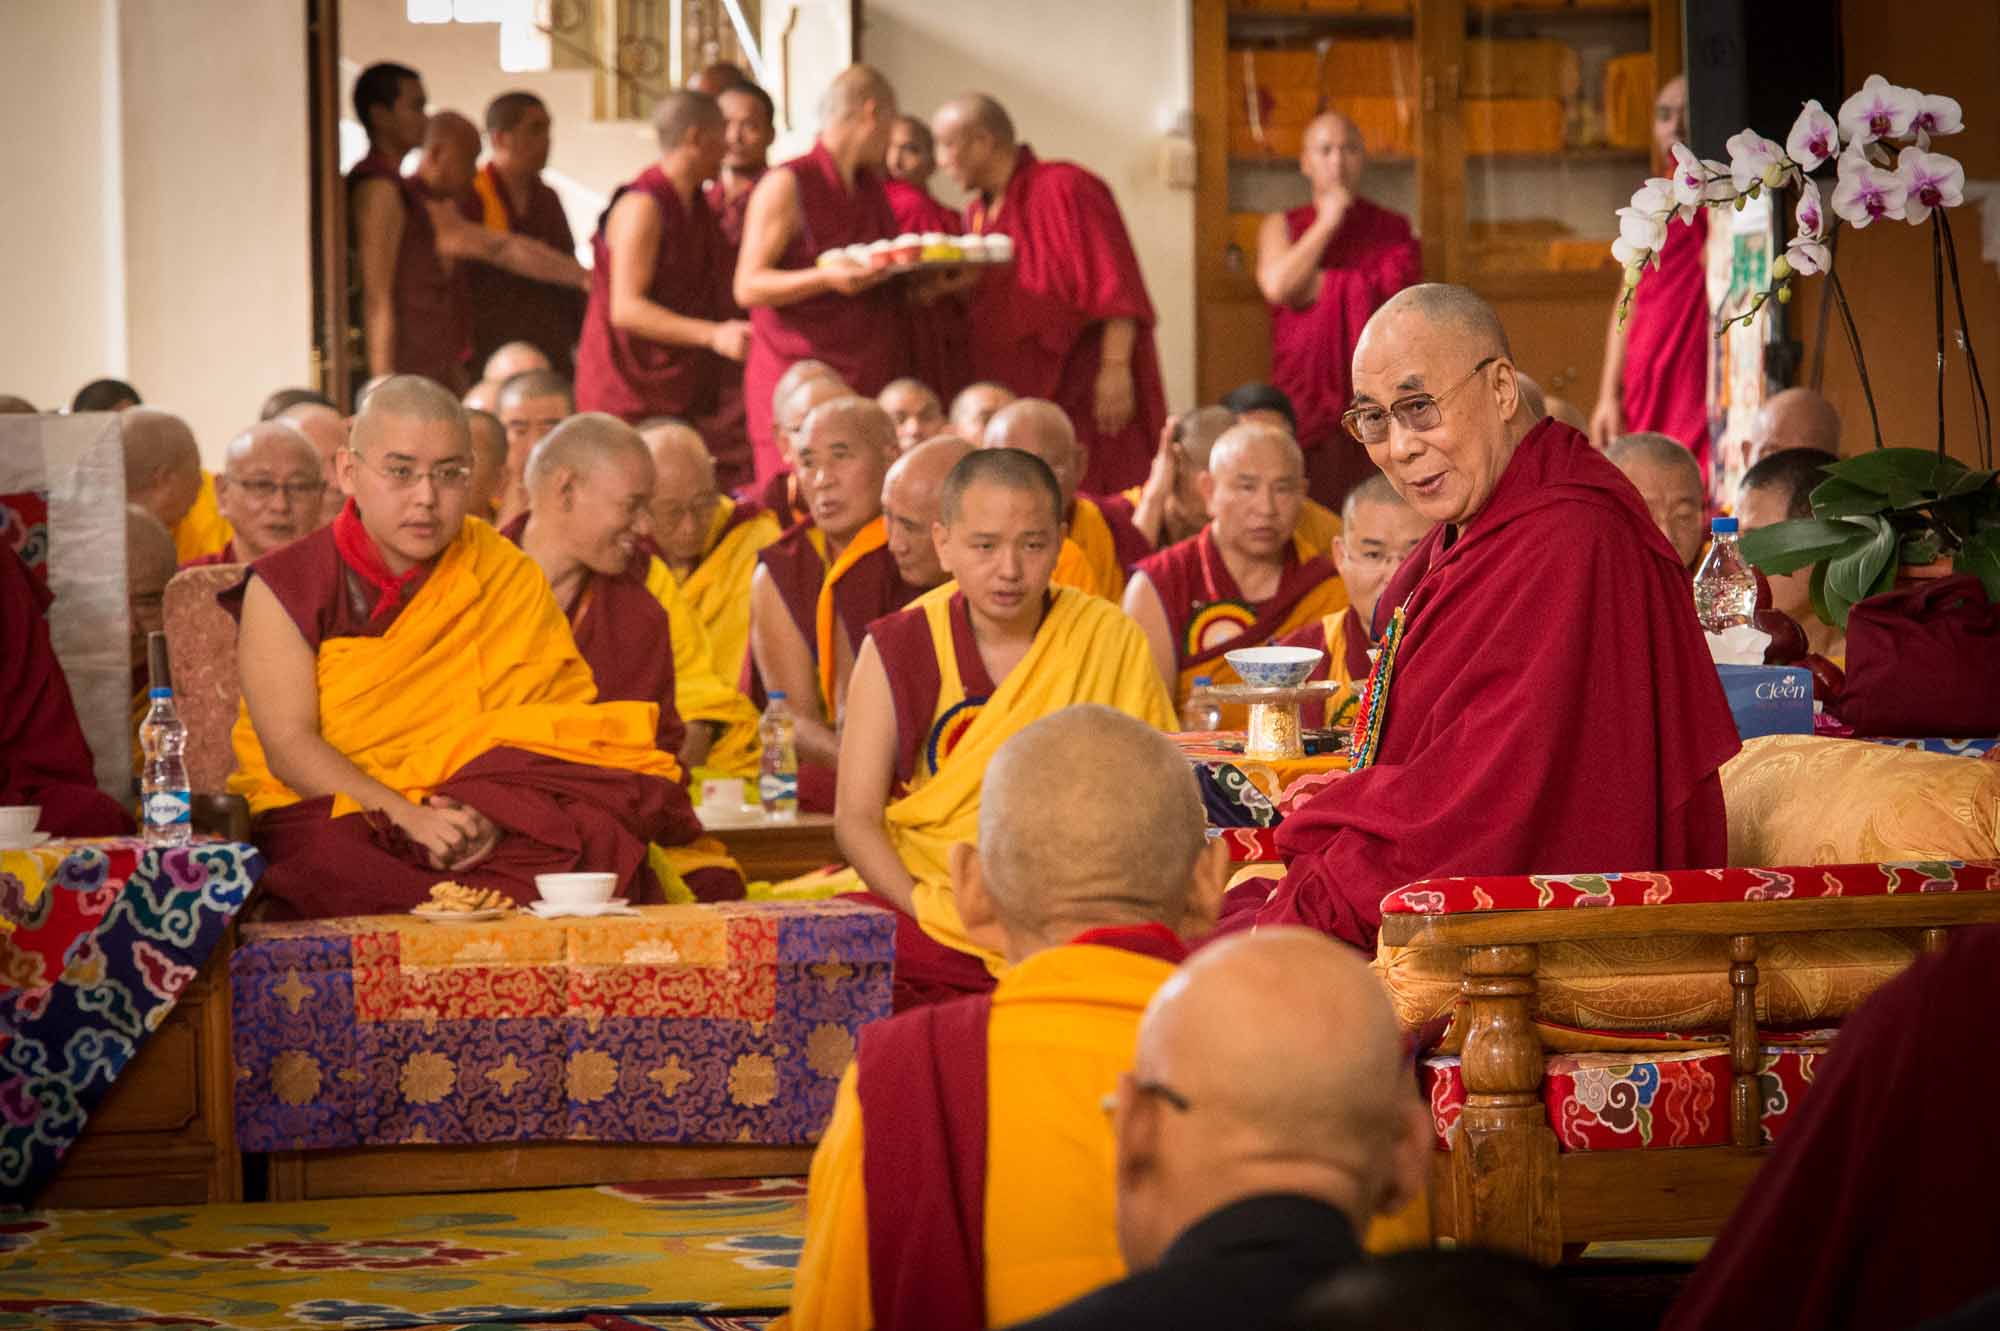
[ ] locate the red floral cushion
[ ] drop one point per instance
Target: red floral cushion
(1615, 1102)
(1450, 896)
(1250, 845)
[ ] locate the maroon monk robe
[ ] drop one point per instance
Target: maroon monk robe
(729, 424)
(44, 758)
(922, 1080)
(778, 494)
(433, 334)
(797, 571)
(1875, 1210)
(555, 816)
(940, 343)
(507, 307)
(1553, 708)
(730, 212)
(1370, 257)
(865, 338)
(1667, 342)
(1037, 324)
(1130, 543)
(1191, 578)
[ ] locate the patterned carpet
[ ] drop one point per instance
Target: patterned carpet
(635, 1257)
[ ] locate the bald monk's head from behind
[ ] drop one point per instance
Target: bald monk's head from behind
(513, 358)
(843, 451)
(1147, 859)
(714, 78)
(976, 143)
(590, 491)
(1377, 533)
(162, 463)
(1669, 479)
(685, 494)
(914, 408)
(1332, 156)
(1443, 346)
(1794, 418)
(285, 398)
(1036, 425)
(974, 407)
(912, 497)
(12, 405)
(408, 466)
(489, 462)
(999, 532)
(482, 396)
(790, 418)
(451, 154)
(270, 487)
(858, 113)
(326, 430)
(150, 561)
(1255, 488)
(688, 125)
(1269, 1063)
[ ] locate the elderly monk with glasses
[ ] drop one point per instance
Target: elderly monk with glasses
(415, 707)
(270, 489)
(1542, 699)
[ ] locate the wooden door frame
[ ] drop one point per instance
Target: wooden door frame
(332, 357)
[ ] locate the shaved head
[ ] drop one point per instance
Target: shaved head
(1375, 490)
(275, 440)
(1255, 489)
(807, 396)
(797, 373)
(1332, 155)
(162, 462)
(407, 397)
(1200, 429)
(685, 494)
(1668, 479)
(1378, 530)
(578, 446)
(534, 383)
(680, 456)
(713, 79)
(489, 460)
(912, 498)
(1242, 442)
(975, 405)
(289, 397)
(512, 359)
(1453, 309)
(1286, 1040)
(682, 113)
(1794, 418)
(271, 487)
(981, 113)
(1036, 425)
(1010, 468)
(326, 429)
(1094, 767)
(1332, 124)
(451, 128)
(11, 405)
(852, 92)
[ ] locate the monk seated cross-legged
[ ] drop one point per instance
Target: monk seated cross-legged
(1544, 702)
(589, 484)
(940, 686)
(966, 1178)
(1378, 532)
(1244, 579)
(415, 707)
(1102, 542)
(819, 586)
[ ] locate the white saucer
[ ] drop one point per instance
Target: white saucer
(461, 916)
(549, 910)
(34, 839)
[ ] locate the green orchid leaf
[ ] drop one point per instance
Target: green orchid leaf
(1837, 498)
(1853, 574)
(1816, 589)
(1888, 471)
(1786, 547)
(1980, 557)
(1965, 482)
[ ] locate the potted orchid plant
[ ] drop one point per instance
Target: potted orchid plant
(1891, 509)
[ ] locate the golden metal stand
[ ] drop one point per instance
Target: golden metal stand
(1274, 729)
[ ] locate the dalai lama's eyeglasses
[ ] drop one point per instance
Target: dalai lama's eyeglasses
(445, 476)
(1417, 412)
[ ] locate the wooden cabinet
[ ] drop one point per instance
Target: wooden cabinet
(1508, 133)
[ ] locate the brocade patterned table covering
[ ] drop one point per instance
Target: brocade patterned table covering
(106, 935)
(683, 1024)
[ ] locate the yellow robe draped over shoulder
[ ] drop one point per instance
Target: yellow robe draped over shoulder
(1318, 529)
(719, 586)
(202, 530)
(1064, 1025)
(1087, 650)
(1088, 560)
(700, 691)
(481, 658)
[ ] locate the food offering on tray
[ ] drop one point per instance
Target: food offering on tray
(911, 252)
(460, 903)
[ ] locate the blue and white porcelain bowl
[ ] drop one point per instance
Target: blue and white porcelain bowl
(1273, 667)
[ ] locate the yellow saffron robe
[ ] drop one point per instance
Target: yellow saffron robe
(1318, 529)
(1064, 1025)
(481, 658)
(202, 530)
(701, 692)
(718, 588)
(1089, 556)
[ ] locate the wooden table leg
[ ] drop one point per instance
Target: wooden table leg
(1746, 1103)
(1504, 1158)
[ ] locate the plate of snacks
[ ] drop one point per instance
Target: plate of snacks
(911, 252)
(455, 903)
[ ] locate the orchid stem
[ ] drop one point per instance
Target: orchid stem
(1854, 342)
(1937, 305)
(1982, 410)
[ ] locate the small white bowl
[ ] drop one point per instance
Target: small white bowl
(576, 889)
(1273, 667)
(17, 821)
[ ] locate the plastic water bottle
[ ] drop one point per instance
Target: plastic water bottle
(164, 797)
(1725, 588)
(1202, 711)
(778, 774)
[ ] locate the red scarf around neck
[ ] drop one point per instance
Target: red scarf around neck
(359, 551)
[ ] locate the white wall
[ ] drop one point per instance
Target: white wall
(1096, 81)
(156, 227)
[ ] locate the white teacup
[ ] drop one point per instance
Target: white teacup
(17, 821)
(576, 889)
(722, 794)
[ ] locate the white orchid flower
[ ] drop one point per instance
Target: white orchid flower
(1936, 114)
(1930, 180)
(1814, 139)
(1810, 216)
(1864, 192)
(1755, 160)
(1881, 110)
(1807, 256)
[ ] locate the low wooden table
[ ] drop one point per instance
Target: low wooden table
(772, 851)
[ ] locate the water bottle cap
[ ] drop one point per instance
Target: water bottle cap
(776, 695)
(1723, 525)
(1203, 681)
(159, 693)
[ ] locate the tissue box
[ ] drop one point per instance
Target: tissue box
(1769, 700)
